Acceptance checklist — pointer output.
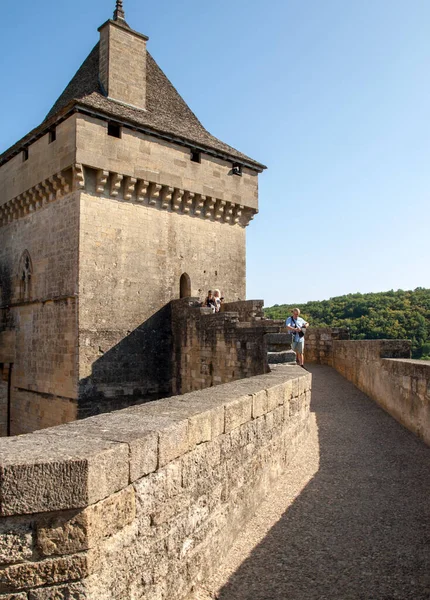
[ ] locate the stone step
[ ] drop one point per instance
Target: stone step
(285, 356)
(278, 342)
(278, 347)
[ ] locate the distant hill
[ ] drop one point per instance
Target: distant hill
(383, 315)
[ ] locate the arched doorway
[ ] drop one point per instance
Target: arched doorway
(185, 286)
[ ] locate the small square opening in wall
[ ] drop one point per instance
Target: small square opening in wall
(25, 154)
(52, 135)
(237, 169)
(114, 130)
(196, 156)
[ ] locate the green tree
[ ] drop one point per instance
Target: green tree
(386, 315)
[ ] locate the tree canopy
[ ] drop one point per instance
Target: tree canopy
(384, 315)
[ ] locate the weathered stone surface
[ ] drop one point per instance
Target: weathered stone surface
(16, 541)
(71, 591)
(219, 451)
(110, 516)
(65, 533)
(275, 396)
(157, 488)
(206, 426)
(398, 384)
(71, 532)
(283, 356)
(46, 572)
(21, 596)
(173, 442)
(259, 404)
(49, 471)
(237, 412)
(319, 343)
(205, 415)
(132, 427)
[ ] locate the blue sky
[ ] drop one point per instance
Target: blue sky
(333, 96)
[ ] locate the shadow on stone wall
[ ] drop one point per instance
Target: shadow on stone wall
(138, 369)
(360, 528)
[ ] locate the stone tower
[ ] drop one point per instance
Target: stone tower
(118, 203)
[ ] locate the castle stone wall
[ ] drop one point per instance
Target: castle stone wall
(319, 343)
(4, 379)
(45, 159)
(211, 349)
(382, 369)
(38, 329)
(144, 502)
(140, 156)
(131, 260)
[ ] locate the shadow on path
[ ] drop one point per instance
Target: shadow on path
(361, 528)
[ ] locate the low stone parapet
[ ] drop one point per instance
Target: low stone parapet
(319, 343)
(144, 502)
(382, 369)
(247, 310)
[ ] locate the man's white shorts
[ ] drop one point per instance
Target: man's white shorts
(299, 346)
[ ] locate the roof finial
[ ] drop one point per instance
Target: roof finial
(119, 14)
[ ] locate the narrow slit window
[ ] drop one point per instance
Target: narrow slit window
(52, 135)
(114, 130)
(25, 154)
(196, 156)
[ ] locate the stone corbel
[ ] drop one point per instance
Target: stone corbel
(78, 178)
(238, 213)
(249, 214)
(129, 187)
(228, 212)
(154, 193)
(209, 208)
(19, 204)
(56, 187)
(177, 199)
(200, 202)
(25, 205)
(115, 184)
(29, 200)
(64, 187)
(18, 209)
(12, 209)
(47, 191)
(40, 195)
(142, 190)
(101, 181)
(219, 210)
(188, 202)
(166, 196)
(9, 212)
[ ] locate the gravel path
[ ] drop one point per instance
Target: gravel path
(350, 520)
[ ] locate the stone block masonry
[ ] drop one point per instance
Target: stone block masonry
(38, 322)
(143, 502)
(382, 369)
(319, 343)
(210, 349)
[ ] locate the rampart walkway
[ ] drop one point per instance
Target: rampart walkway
(351, 518)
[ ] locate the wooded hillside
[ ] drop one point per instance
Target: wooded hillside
(384, 315)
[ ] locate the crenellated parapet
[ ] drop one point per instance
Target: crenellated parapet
(124, 188)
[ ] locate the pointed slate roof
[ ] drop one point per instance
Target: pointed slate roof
(166, 112)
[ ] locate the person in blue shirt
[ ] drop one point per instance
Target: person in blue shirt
(297, 326)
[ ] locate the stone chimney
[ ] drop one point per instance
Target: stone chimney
(122, 68)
